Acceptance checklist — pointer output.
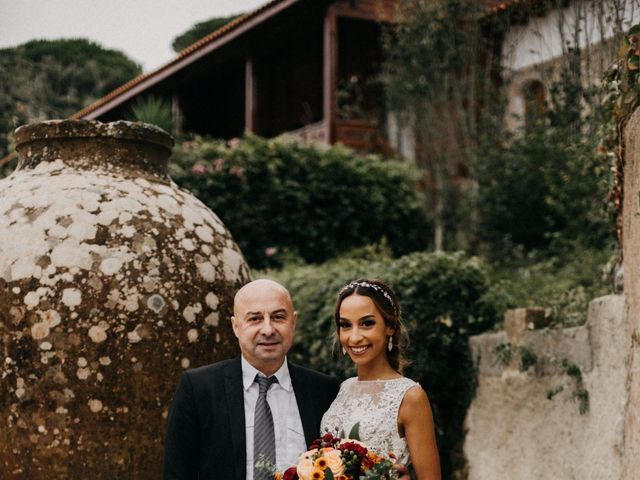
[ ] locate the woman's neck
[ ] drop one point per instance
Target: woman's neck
(379, 372)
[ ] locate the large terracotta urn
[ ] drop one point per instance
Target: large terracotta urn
(112, 281)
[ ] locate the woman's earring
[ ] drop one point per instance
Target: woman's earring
(390, 344)
(344, 351)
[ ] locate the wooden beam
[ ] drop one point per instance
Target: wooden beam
(176, 115)
(249, 95)
(329, 67)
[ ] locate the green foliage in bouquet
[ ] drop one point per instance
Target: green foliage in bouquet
(444, 298)
(283, 200)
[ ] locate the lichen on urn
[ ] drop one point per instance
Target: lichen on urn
(109, 271)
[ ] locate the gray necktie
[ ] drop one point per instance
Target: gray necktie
(264, 439)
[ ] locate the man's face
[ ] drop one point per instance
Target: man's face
(264, 323)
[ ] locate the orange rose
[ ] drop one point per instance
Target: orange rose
(334, 462)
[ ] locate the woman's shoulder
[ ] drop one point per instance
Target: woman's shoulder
(414, 400)
(407, 381)
(402, 384)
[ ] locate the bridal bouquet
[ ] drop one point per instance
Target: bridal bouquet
(335, 458)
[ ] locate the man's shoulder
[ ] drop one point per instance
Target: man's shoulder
(212, 369)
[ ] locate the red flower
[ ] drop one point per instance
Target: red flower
(290, 474)
(359, 450)
(327, 437)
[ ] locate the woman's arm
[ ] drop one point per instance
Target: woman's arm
(416, 420)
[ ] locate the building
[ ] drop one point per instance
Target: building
(285, 67)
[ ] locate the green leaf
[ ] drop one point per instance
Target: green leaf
(354, 434)
(634, 30)
(328, 474)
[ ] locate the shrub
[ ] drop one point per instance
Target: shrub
(546, 186)
(563, 284)
(443, 298)
(154, 110)
(47, 79)
(281, 199)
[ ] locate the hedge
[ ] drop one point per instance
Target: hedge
(281, 199)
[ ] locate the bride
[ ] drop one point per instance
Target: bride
(392, 411)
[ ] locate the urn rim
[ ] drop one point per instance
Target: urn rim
(72, 128)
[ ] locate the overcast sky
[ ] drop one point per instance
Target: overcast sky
(143, 29)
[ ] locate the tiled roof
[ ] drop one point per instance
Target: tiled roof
(190, 50)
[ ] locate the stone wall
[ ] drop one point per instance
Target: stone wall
(516, 432)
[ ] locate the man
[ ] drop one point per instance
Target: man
(210, 433)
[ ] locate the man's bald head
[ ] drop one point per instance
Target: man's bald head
(260, 287)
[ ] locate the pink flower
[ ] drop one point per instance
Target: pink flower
(200, 169)
(218, 164)
(234, 142)
(236, 171)
(270, 251)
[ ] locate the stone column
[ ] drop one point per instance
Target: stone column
(631, 253)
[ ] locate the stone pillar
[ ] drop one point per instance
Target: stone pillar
(112, 282)
(631, 254)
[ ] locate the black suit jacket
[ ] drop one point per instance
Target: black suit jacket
(205, 437)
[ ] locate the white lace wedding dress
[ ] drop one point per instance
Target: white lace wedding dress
(375, 405)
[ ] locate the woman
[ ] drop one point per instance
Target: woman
(392, 411)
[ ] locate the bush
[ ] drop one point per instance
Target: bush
(153, 110)
(563, 284)
(546, 186)
(48, 79)
(443, 298)
(281, 199)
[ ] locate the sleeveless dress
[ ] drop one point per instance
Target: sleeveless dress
(375, 405)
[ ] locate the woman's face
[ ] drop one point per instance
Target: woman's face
(362, 330)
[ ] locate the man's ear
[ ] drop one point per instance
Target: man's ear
(295, 318)
(234, 325)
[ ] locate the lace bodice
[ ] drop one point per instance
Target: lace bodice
(375, 404)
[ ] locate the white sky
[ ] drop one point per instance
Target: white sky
(143, 29)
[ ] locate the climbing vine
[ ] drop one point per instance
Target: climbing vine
(622, 97)
(525, 358)
(579, 392)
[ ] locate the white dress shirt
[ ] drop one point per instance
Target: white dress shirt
(290, 442)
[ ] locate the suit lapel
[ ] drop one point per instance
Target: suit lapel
(304, 399)
(235, 408)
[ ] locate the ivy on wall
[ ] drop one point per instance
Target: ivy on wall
(622, 86)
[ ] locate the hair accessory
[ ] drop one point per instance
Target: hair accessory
(373, 286)
(390, 344)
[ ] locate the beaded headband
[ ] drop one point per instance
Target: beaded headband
(373, 286)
